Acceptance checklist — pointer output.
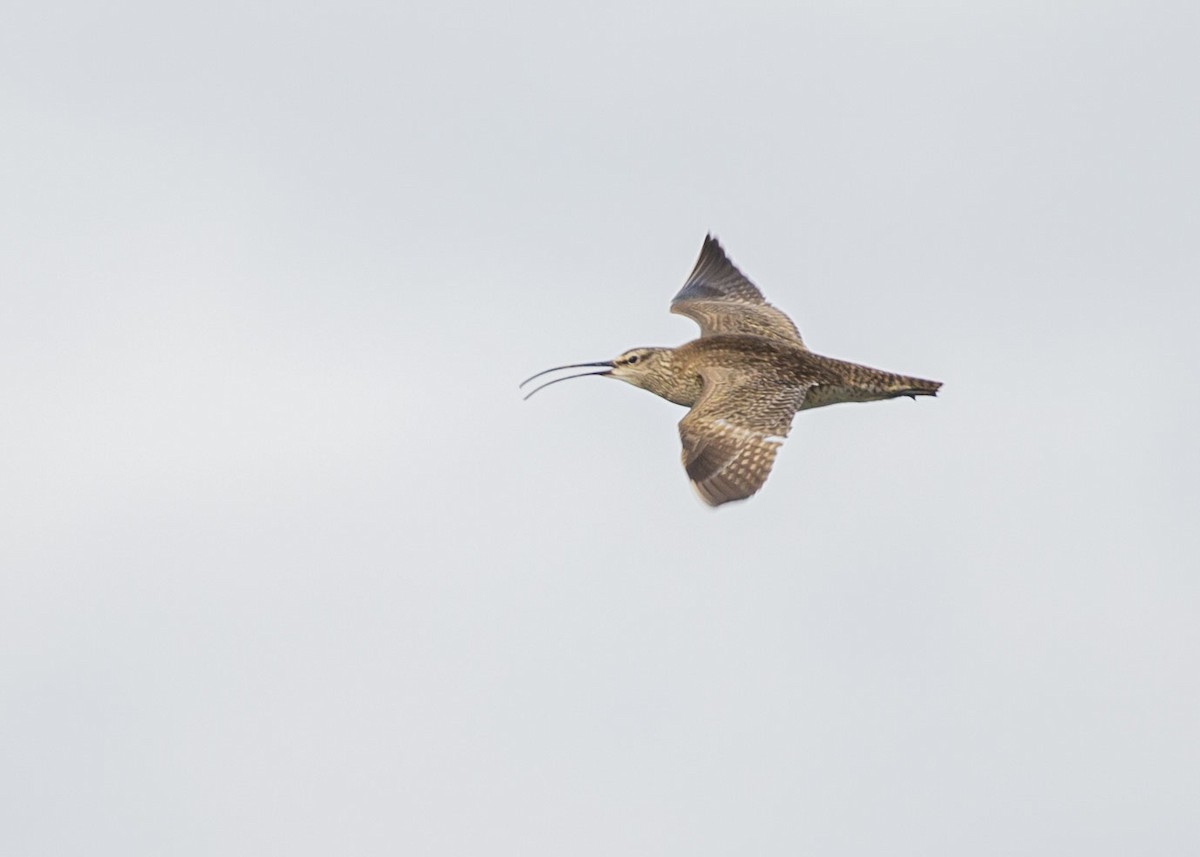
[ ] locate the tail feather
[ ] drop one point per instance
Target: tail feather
(913, 387)
(855, 383)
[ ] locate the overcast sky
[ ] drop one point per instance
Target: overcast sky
(288, 567)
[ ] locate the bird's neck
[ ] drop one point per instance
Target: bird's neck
(674, 382)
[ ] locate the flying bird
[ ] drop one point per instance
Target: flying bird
(743, 379)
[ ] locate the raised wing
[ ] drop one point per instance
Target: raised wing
(719, 298)
(731, 435)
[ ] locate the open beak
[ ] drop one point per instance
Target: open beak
(607, 370)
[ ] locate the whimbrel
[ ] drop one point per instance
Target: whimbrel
(744, 379)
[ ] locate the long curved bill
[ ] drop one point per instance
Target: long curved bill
(607, 364)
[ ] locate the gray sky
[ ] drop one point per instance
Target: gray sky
(288, 566)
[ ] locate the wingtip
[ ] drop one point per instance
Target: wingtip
(711, 252)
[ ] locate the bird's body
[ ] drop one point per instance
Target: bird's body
(744, 379)
(677, 376)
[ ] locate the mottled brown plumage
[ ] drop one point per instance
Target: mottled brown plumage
(744, 379)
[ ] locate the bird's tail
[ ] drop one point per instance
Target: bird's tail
(851, 382)
(902, 385)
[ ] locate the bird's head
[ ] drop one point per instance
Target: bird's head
(643, 367)
(648, 368)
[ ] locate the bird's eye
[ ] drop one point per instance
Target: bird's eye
(633, 358)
